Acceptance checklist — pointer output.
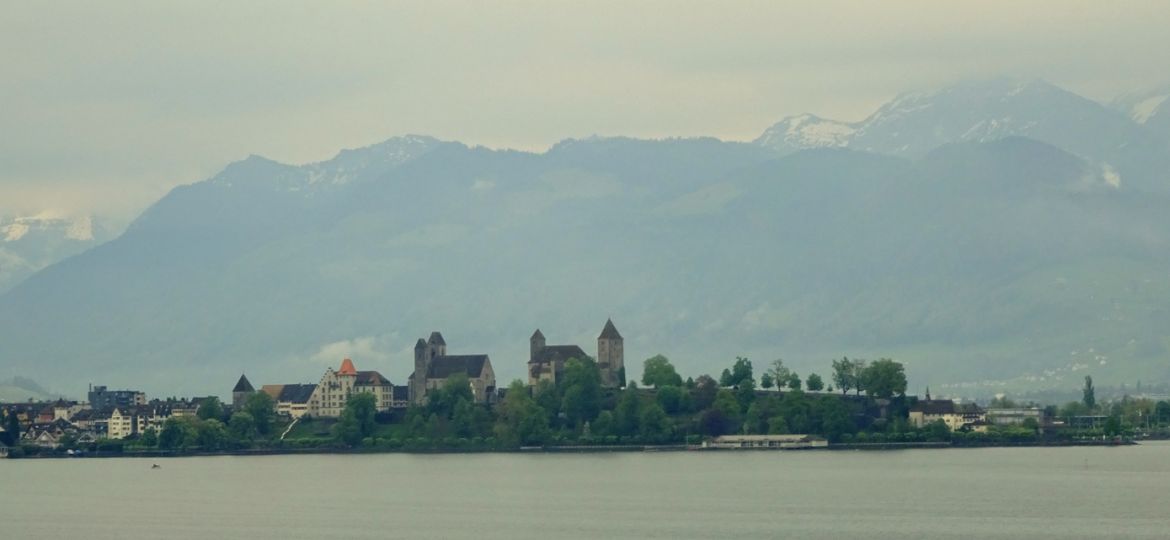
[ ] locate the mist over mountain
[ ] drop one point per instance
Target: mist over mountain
(994, 233)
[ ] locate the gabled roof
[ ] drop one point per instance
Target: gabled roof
(537, 335)
(296, 393)
(371, 378)
(934, 406)
(442, 367)
(243, 385)
(554, 353)
(347, 367)
(420, 345)
(436, 339)
(610, 331)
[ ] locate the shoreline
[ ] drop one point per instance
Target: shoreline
(868, 447)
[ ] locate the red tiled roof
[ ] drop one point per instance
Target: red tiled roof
(347, 367)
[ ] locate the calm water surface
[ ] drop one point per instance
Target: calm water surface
(978, 493)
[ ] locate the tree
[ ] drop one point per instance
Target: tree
(262, 408)
(779, 372)
(653, 424)
(1162, 412)
(766, 381)
(12, 429)
(242, 427)
(726, 403)
(814, 383)
(172, 434)
(725, 378)
(657, 371)
(859, 376)
(210, 434)
(442, 400)
(1112, 426)
(365, 407)
(150, 437)
(741, 370)
(1089, 394)
(210, 409)
(794, 382)
(670, 398)
(745, 393)
(884, 378)
(704, 392)
(582, 391)
(519, 420)
(835, 418)
(627, 413)
(348, 429)
(843, 374)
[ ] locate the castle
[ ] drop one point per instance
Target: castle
(547, 362)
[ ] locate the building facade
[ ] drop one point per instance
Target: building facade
(102, 398)
(328, 399)
(433, 367)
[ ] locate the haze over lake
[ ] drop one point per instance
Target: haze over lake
(980, 493)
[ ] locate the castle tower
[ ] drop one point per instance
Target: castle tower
(535, 345)
(436, 346)
(240, 393)
(419, 376)
(610, 356)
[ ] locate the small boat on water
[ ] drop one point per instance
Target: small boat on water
(155, 466)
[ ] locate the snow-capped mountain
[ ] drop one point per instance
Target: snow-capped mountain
(806, 131)
(915, 123)
(350, 165)
(29, 243)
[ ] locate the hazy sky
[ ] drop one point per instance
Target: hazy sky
(105, 106)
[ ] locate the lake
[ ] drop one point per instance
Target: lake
(954, 493)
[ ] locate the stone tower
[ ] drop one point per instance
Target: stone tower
(536, 344)
(610, 356)
(419, 377)
(240, 393)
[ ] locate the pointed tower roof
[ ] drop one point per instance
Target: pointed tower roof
(537, 335)
(420, 345)
(347, 367)
(243, 385)
(610, 331)
(436, 339)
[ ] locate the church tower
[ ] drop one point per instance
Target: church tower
(610, 357)
(535, 345)
(419, 377)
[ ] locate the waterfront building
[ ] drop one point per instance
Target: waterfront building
(433, 366)
(611, 356)
(750, 442)
(291, 400)
(955, 416)
(328, 399)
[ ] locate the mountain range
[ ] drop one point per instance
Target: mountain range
(990, 235)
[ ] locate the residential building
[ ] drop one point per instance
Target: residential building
(291, 400)
(102, 398)
(1016, 416)
(127, 421)
(433, 367)
(956, 417)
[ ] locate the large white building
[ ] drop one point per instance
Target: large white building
(328, 399)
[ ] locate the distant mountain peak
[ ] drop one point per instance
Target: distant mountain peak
(806, 131)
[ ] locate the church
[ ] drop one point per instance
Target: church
(433, 366)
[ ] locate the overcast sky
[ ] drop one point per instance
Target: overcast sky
(105, 106)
